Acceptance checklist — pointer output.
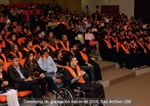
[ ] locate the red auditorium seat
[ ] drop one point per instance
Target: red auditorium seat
(27, 15)
(3, 99)
(37, 12)
(31, 11)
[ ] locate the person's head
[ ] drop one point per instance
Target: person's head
(3, 32)
(140, 38)
(144, 32)
(29, 57)
(1, 66)
(64, 37)
(73, 47)
(124, 41)
(39, 34)
(43, 42)
(28, 43)
(82, 48)
(89, 29)
(129, 32)
(73, 62)
(137, 32)
(50, 34)
(84, 25)
(132, 40)
(53, 41)
(15, 61)
(122, 32)
(44, 53)
(13, 37)
(14, 47)
(37, 28)
(58, 54)
(113, 33)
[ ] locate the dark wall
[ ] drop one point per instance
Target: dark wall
(142, 10)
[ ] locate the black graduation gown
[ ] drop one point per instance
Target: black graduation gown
(105, 52)
(92, 90)
(141, 55)
(114, 51)
(126, 58)
(96, 66)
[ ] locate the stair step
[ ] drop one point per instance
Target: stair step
(105, 83)
(105, 65)
(116, 75)
(142, 71)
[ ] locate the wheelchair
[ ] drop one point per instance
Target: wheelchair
(67, 94)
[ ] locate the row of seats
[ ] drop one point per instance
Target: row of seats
(21, 94)
(23, 5)
(27, 13)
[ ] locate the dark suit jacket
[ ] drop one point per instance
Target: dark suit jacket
(15, 78)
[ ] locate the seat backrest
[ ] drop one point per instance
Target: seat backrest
(6, 65)
(22, 62)
(27, 15)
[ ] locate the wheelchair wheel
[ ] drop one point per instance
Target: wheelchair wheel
(64, 96)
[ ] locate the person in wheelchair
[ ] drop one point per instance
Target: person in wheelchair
(73, 75)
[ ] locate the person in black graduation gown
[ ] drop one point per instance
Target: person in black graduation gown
(39, 36)
(28, 48)
(85, 59)
(125, 55)
(74, 76)
(106, 49)
(141, 50)
(73, 50)
(114, 42)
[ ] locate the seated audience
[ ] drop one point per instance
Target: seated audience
(73, 75)
(106, 49)
(14, 52)
(2, 56)
(47, 64)
(38, 74)
(64, 43)
(21, 79)
(92, 42)
(85, 60)
(28, 48)
(11, 94)
(58, 59)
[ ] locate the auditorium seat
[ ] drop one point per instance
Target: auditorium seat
(27, 15)
(37, 12)
(31, 11)
(22, 61)
(3, 99)
(6, 65)
(24, 93)
(21, 40)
